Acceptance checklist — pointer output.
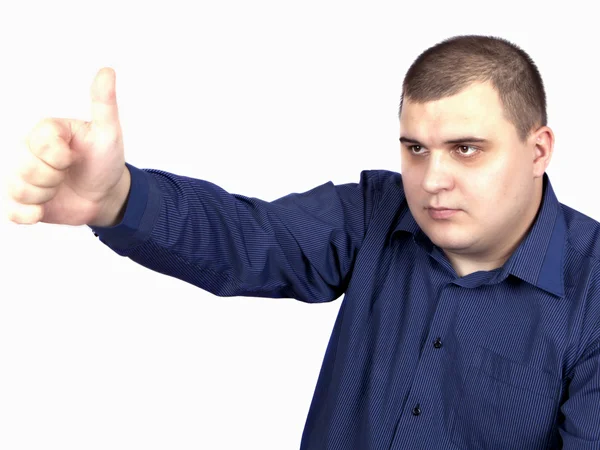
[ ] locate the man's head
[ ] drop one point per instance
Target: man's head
(484, 88)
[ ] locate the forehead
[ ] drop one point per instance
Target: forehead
(476, 110)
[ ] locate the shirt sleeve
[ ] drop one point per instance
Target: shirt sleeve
(301, 246)
(580, 429)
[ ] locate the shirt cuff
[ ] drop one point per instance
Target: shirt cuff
(141, 212)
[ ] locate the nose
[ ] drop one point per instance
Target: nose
(437, 175)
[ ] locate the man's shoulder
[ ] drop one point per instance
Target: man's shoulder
(387, 180)
(583, 233)
(583, 270)
(385, 174)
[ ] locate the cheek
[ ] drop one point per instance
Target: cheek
(491, 200)
(495, 185)
(411, 183)
(483, 199)
(412, 198)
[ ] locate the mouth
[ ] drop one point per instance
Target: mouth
(441, 213)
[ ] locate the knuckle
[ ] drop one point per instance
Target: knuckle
(12, 210)
(54, 153)
(38, 173)
(29, 166)
(46, 143)
(27, 194)
(24, 214)
(18, 190)
(28, 171)
(11, 214)
(14, 216)
(46, 129)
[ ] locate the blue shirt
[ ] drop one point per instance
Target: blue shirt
(419, 358)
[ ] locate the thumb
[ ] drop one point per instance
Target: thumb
(104, 99)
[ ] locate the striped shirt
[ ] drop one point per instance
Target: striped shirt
(419, 358)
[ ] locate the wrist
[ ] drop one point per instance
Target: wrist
(115, 204)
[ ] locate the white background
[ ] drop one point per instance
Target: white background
(263, 98)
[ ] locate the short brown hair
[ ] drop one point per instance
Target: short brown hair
(453, 64)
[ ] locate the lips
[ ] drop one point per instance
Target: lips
(441, 213)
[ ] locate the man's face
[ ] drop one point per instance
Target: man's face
(490, 184)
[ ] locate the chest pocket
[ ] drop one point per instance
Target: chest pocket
(504, 405)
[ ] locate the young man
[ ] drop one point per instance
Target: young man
(471, 314)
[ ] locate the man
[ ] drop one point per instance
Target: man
(471, 315)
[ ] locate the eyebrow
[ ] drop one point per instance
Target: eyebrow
(407, 140)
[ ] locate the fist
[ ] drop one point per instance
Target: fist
(70, 169)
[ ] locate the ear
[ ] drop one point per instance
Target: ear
(542, 146)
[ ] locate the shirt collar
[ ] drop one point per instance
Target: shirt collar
(539, 258)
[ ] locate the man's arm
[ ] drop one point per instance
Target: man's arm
(580, 429)
(301, 246)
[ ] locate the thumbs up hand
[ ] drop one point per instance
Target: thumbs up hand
(73, 172)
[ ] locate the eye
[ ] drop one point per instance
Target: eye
(412, 149)
(464, 150)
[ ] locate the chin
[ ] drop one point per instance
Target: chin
(449, 239)
(454, 247)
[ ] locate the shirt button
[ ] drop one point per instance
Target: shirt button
(437, 343)
(416, 410)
